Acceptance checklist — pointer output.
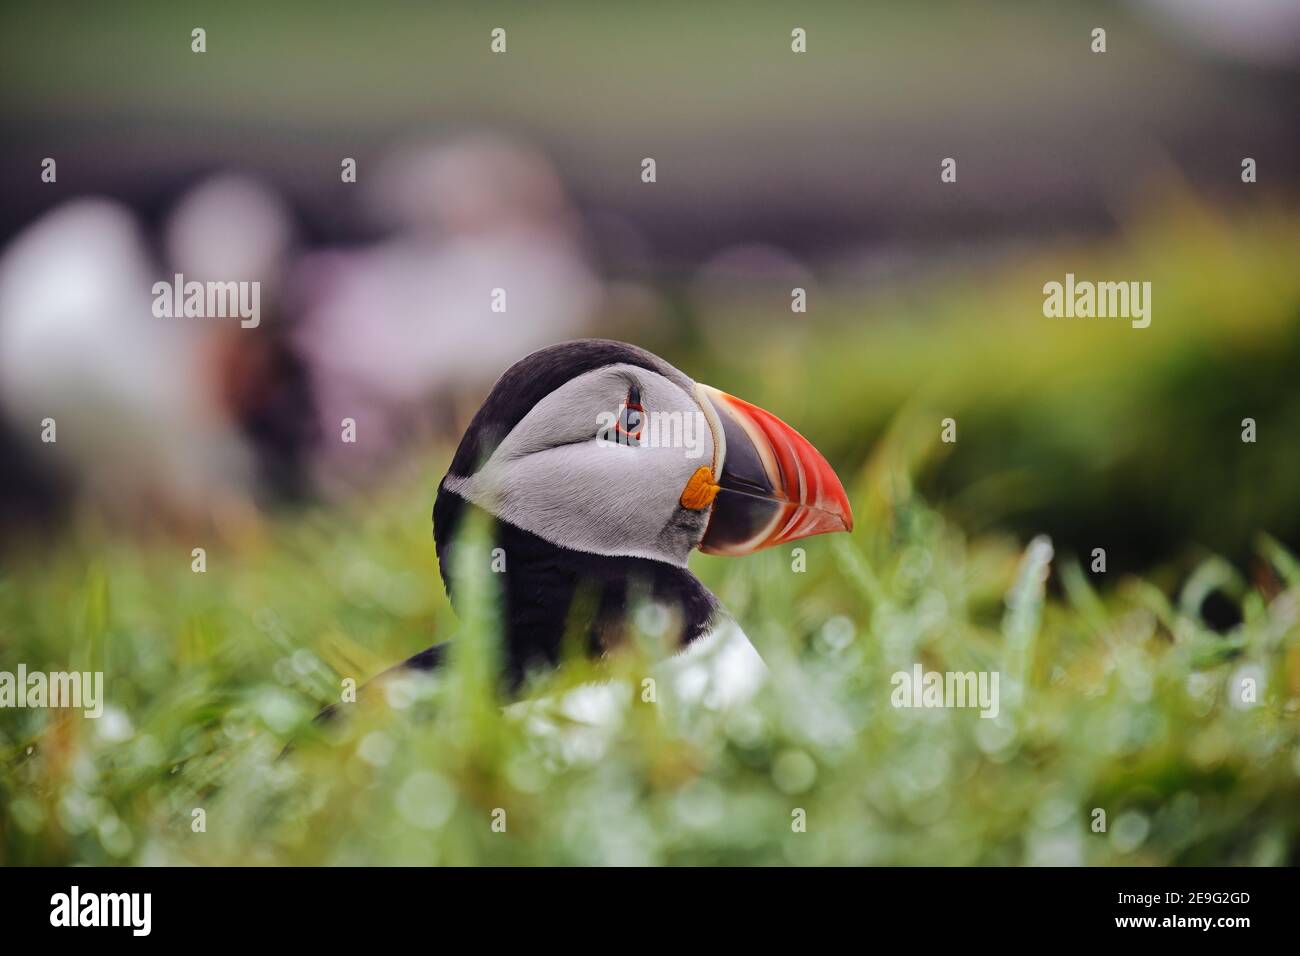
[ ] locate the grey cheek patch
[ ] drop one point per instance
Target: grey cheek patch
(616, 501)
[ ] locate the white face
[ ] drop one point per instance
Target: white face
(563, 475)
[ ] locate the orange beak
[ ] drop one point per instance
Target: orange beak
(775, 486)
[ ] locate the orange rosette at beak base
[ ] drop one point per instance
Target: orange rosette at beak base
(700, 490)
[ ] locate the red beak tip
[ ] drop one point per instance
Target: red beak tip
(835, 522)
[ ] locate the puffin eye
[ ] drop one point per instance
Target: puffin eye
(631, 416)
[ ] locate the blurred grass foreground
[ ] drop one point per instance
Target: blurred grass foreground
(1125, 735)
(1124, 702)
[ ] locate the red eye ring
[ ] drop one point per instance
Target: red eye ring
(631, 418)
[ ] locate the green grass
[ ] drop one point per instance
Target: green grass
(1114, 698)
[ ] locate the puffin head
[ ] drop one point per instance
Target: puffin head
(603, 467)
(603, 448)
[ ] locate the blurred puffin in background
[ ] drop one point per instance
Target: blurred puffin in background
(580, 513)
(158, 423)
(139, 430)
(232, 225)
(482, 260)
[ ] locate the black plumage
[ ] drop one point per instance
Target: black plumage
(547, 589)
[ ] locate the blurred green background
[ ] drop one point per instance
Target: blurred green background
(775, 170)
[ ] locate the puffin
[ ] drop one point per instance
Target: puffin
(142, 431)
(595, 509)
(391, 332)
